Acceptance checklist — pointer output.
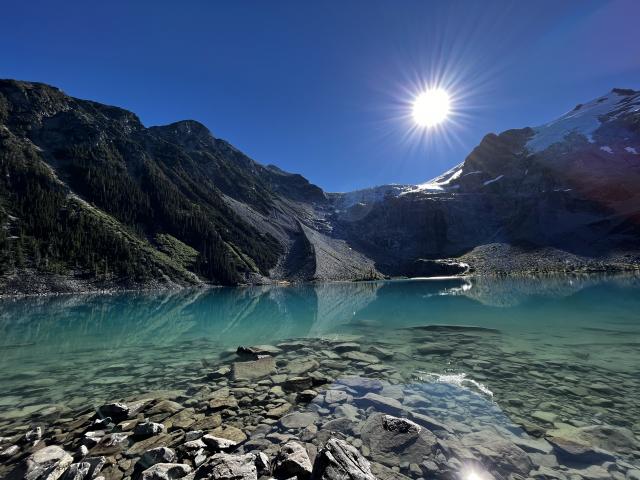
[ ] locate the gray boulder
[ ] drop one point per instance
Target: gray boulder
(340, 461)
(292, 461)
(48, 463)
(157, 455)
(166, 471)
(148, 429)
(223, 466)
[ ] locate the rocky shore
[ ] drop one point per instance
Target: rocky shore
(347, 408)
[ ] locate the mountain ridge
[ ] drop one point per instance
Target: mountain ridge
(91, 199)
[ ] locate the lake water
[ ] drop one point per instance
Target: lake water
(519, 360)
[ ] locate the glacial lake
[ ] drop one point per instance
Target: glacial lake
(520, 357)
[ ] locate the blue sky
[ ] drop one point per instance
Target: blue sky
(325, 88)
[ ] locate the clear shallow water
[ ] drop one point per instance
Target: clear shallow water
(551, 353)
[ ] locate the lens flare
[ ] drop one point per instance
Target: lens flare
(431, 107)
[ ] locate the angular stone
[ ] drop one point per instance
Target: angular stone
(362, 384)
(380, 403)
(279, 411)
(157, 455)
(218, 443)
(298, 420)
(251, 370)
(223, 403)
(498, 451)
(48, 463)
(165, 406)
(390, 438)
(297, 384)
(223, 466)
(306, 396)
(361, 357)
(230, 433)
(292, 461)
(335, 396)
(340, 461)
(299, 366)
(166, 471)
(148, 429)
(429, 422)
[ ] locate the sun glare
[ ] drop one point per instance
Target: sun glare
(431, 107)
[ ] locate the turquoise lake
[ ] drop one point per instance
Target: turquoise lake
(541, 354)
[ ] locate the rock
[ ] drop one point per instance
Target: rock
(299, 366)
(120, 411)
(10, 451)
(428, 422)
(340, 461)
(78, 471)
(166, 471)
(380, 403)
(262, 367)
(573, 450)
(361, 357)
(157, 455)
(390, 438)
(262, 463)
(280, 410)
(362, 385)
(165, 406)
(218, 443)
(306, 396)
(292, 461)
(347, 410)
(219, 373)
(545, 417)
(346, 347)
(230, 433)
(342, 425)
(148, 429)
(223, 466)
(48, 463)
(298, 420)
(33, 435)
(297, 384)
(117, 411)
(501, 453)
(592, 472)
(435, 349)
(258, 351)
(111, 444)
(591, 444)
(223, 403)
(335, 396)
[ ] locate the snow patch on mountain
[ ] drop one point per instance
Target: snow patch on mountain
(631, 150)
(585, 119)
(493, 180)
(606, 148)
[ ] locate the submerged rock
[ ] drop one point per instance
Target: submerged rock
(380, 403)
(251, 370)
(340, 461)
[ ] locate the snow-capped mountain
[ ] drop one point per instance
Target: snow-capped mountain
(571, 183)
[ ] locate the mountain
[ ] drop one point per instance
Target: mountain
(571, 185)
(91, 199)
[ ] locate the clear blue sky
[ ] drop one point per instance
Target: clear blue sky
(324, 88)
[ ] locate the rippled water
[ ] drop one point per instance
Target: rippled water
(550, 353)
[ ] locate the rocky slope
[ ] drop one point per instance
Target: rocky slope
(92, 199)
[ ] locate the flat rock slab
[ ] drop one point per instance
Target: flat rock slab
(251, 370)
(380, 403)
(298, 420)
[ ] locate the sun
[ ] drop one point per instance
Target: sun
(431, 107)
